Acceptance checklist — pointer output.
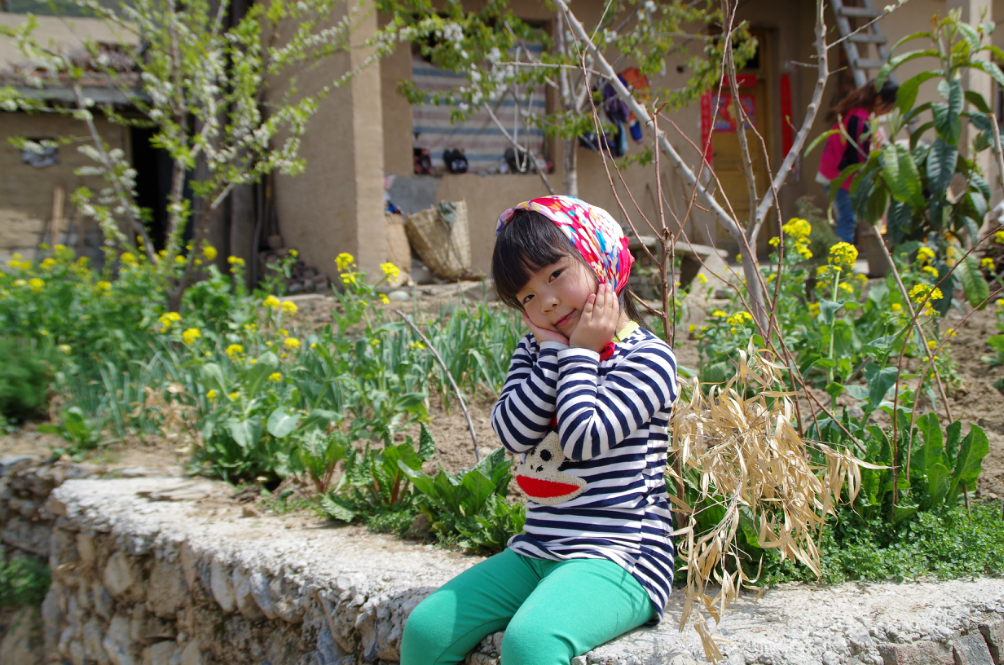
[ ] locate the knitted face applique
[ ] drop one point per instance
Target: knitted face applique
(539, 477)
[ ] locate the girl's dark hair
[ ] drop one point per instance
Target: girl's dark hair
(867, 97)
(528, 242)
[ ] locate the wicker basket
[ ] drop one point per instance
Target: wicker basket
(440, 238)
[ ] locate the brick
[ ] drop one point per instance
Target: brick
(993, 635)
(971, 649)
(924, 652)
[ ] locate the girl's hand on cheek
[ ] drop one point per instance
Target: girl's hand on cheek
(598, 321)
(543, 334)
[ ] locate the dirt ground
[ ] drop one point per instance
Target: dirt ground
(975, 400)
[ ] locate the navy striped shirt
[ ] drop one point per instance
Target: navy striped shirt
(612, 420)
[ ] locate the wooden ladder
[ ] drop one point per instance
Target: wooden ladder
(869, 36)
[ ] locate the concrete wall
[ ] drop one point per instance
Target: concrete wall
(65, 33)
(26, 192)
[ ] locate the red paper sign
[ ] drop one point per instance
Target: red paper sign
(787, 127)
(706, 121)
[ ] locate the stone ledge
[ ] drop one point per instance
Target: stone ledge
(180, 582)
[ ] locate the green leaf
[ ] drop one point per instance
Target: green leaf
(969, 462)
(906, 96)
(321, 418)
(245, 432)
(941, 160)
(901, 175)
(996, 342)
(281, 423)
(819, 139)
(834, 390)
(264, 366)
(335, 510)
(901, 513)
(932, 449)
(214, 378)
(938, 482)
(989, 68)
(426, 444)
(859, 393)
(900, 59)
(879, 384)
(970, 35)
(976, 99)
(479, 487)
(973, 283)
(827, 309)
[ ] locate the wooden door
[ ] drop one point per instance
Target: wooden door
(727, 160)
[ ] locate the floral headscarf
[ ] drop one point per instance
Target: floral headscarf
(591, 230)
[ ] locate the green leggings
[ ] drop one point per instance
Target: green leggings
(551, 611)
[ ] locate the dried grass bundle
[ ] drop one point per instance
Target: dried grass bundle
(750, 458)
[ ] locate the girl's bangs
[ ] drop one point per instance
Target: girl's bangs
(528, 242)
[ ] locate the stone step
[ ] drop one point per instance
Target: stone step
(176, 580)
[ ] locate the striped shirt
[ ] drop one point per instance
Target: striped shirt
(612, 421)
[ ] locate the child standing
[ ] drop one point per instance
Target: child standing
(586, 405)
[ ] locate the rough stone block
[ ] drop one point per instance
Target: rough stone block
(161, 653)
(86, 550)
(51, 618)
(118, 643)
(123, 578)
(166, 592)
(993, 634)
(21, 645)
(146, 628)
(191, 654)
(971, 649)
(924, 652)
(10, 465)
(93, 649)
(222, 587)
(259, 584)
(29, 536)
(187, 559)
(285, 600)
(243, 597)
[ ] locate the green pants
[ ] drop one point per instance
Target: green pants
(551, 611)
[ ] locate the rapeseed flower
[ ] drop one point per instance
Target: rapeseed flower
(843, 255)
(390, 271)
(291, 343)
(234, 350)
(348, 278)
(36, 284)
(719, 314)
(417, 345)
(739, 319)
(343, 261)
(209, 252)
(999, 237)
(289, 307)
(129, 259)
(384, 299)
(169, 319)
(212, 395)
(925, 254)
(931, 270)
(272, 302)
(275, 376)
(987, 264)
(190, 335)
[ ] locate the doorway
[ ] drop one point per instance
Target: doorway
(754, 96)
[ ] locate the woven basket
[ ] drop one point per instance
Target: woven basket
(440, 238)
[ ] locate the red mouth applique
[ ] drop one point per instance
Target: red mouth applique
(544, 489)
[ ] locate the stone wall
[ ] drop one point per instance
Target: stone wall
(171, 571)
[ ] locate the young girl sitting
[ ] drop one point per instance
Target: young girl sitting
(586, 405)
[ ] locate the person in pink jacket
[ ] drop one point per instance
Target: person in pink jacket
(851, 146)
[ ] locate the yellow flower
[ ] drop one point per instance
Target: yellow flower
(234, 350)
(739, 319)
(845, 286)
(233, 395)
(925, 254)
(283, 332)
(294, 253)
(209, 252)
(691, 328)
(43, 333)
(384, 299)
(289, 307)
(987, 264)
(235, 261)
(803, 251)
(211, 395)
(272, 302)
(343, 261)
(275, 376)
(48, 264)
(313, 345)
(931, 344)
(64, 348)
(774, 242)
(843, 254)
(390, 271)
(999, 237)
(180, 260)
(104, 286)
(798, 229)
(128, 259)
(348, 278)
(719, 313)
(921, 291)
(950, 333)
(190, 335)
(36, 284)
(701, 278)
(896, 307)
(291, 343)
(417, 345)
(167, 320)
(931, 270)
(814, 308)
(250, 327)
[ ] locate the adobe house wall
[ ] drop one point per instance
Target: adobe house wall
(26, 192)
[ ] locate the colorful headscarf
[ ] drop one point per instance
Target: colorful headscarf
(591, 230)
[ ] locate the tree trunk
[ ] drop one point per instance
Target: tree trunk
(570, 173)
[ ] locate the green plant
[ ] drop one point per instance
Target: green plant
(23, 381)
(23, 581)
(76, 429)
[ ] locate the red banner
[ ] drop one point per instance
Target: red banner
(787, 126)
(706, 122)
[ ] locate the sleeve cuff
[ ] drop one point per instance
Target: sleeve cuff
(577, 354)
(557, 347)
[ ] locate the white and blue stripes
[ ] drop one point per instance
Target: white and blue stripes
(613, 418)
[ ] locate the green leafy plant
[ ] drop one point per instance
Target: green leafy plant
(23, 582)
(81, 433)
(23, 381)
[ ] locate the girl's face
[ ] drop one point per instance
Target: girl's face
(554, 296)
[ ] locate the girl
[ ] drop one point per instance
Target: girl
(586, 406)
(839, 153)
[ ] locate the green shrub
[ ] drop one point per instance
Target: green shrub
(23, 381)
(23, 582)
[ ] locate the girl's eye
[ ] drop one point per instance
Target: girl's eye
(526, 299)
(556, 274)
